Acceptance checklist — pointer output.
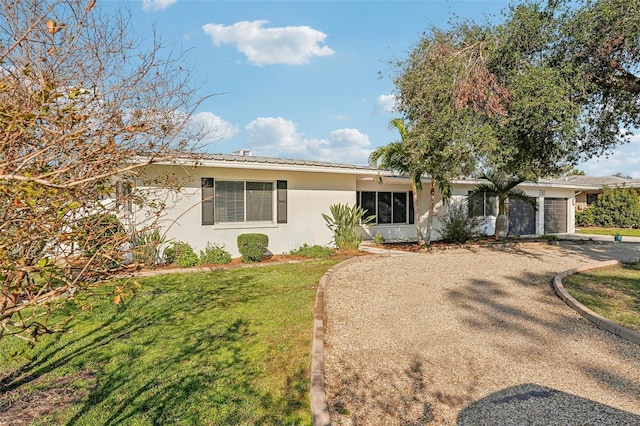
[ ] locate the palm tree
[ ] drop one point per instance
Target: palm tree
(401, 158)
(504, 189)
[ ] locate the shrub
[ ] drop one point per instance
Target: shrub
(214, 254)
(615, 207)
(315, 251)
(585, 217)
(378, 239)
(104, 231)
(457, 225)
(145, 246)
(252, 247)
(346, 224)
(181, 254)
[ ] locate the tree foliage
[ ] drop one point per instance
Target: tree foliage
(615, 207)
(79, 98)
(554, 83)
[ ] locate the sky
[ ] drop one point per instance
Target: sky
(309, 79)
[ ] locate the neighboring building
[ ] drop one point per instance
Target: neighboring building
(227, 195)
(589, 187)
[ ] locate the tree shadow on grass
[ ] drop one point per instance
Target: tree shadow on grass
(204, 367)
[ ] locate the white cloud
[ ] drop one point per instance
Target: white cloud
(265, 46)
(277, 137)
(212, 127)
(157, 5)
(385, 104)
(625, 159)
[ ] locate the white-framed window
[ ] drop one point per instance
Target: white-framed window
(388, 207)
(233, 201)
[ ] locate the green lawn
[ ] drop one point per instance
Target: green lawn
(629, 232)
(224, 347)
(612, 292)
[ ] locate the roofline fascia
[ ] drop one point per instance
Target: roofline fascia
(187, 162)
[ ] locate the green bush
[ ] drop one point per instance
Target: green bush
(145, 246)
(99, 232)
(585, 217)
(346, 224)
(457, 225)
(214, 254)
(315, 251)
(252, 247)
(181, 254)
(378, 239)
(615, 207)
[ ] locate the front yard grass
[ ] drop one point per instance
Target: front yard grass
(625, 232)
(224, 347)
(613, 292)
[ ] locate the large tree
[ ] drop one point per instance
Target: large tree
(447, 138)
(79, 98)
(556, 81)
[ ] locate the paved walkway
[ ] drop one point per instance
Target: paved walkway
(474, 337)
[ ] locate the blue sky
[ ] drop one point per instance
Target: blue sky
(309, 79)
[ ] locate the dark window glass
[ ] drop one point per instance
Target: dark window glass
(368, 203)
(591, 198)
(399, 207)
(384, 207)
(476, 204)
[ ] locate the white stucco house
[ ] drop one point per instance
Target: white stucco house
(227, 195)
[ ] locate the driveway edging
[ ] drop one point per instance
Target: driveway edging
(319, 408)
(587, 313)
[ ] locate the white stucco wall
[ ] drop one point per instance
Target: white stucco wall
(539, 191)
(309, 194)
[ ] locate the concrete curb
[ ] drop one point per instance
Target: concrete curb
(317, 395)
(598, 320)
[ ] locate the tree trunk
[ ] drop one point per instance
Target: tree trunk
(416, 214)
(432, 199)
(502, 226)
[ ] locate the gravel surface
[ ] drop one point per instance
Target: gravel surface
(474, 337)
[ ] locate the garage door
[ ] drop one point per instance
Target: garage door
(555, 215)
(522, 218)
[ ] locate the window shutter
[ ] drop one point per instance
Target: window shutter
(281, 196)
(207, 189)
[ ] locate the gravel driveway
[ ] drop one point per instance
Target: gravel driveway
(473, 337)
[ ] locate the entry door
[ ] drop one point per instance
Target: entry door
(555, 215)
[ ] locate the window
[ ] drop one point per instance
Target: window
(388, 207)
(482, 205)
(591, 198)
(242, 201)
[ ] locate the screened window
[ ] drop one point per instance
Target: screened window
(388, 207)
(482, 205)
(240, 201)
